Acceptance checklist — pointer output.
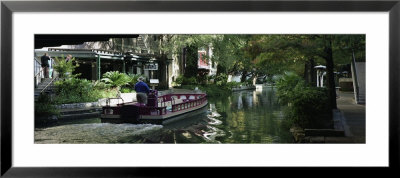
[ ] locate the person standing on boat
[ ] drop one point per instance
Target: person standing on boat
(142, 90)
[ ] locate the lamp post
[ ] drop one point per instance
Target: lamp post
(98, 67)
(320, 75)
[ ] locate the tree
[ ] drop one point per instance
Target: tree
(328, 56)
(274, 54)
(63, 67)
(229, 53)
(191, 61)
(340, 45)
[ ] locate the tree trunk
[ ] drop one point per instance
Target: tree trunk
(329, 72)
(244, 76)
(162, 73)
(191, 62)
(183, 62)
(306, 72)
(313, 74)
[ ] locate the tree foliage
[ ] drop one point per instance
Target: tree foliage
(64, 67)
(275, 54)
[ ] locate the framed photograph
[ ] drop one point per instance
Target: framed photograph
(249, 135)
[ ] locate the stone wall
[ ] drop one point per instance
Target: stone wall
(346, 84)
(124, 98)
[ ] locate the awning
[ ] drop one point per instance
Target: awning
(75, 39)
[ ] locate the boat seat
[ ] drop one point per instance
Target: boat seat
(169, 103)
(162, 104)
(178, 101)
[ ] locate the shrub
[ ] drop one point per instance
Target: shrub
(308, 107)
(211, 79)
(202, 79)
(43, 107)
(221, 79)
(182, 80)
(99, 85)
(285, 85)
(179, 80)
(230, 85)
(219, 83)
(108, 93)
(126, 90)
(116, 79)
(190, 81)
(76, 90)
(214, 90)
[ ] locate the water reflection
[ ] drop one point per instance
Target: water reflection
(251, 116)
(239, 101)
(257, 120)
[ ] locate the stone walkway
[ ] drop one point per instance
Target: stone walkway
(354, 117)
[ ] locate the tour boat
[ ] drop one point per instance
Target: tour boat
(158, 110)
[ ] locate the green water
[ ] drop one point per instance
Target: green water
(251, 116)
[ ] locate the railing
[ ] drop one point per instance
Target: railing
(150, 110)
(49, 84)
(186, 103)
(355, 78)
(174, 97)
(38, 74)
(38, 67)
(108, 101)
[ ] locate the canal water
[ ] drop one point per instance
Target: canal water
(250, 116)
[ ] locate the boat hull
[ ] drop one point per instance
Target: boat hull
(157, 119)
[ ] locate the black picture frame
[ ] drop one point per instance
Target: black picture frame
(8, 7)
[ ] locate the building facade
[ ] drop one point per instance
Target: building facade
(141, 55)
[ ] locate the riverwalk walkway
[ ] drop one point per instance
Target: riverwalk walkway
(354, 117)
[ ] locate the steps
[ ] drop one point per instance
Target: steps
(45, 82)
(359, 76)
(361, 99)
(360, 69)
